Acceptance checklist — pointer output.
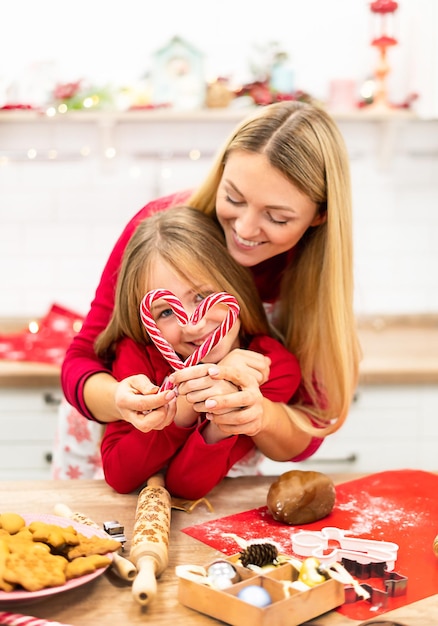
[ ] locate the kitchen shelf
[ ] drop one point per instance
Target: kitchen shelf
(108, 121)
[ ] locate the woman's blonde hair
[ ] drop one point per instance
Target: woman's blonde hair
(316, 306)
(193, 246)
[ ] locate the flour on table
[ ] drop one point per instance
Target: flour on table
(373, 513)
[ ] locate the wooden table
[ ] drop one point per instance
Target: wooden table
(108, 600)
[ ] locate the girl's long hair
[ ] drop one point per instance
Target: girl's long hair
(193, 246)
(316, 315)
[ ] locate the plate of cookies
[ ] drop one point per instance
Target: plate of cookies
(42, 555)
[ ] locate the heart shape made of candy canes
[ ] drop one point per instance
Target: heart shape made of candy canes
(175, 304)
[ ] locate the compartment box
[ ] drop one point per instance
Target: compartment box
(289, 607)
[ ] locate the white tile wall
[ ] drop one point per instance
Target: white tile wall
(59, 218)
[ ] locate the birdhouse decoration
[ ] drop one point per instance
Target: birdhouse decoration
(177, 76)
(383, 38)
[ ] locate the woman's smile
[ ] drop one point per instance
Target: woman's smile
(245, 242)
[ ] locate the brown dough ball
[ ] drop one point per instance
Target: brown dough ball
(299, 497)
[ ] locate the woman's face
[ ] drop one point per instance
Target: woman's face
(261, 212)
(186, 339)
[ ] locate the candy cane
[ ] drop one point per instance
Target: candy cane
(183, 319)
(17, 619)
(149, 323)
(220, 332)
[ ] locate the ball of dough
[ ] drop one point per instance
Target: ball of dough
(299, 497)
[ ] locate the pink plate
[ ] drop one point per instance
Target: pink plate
(21, 595)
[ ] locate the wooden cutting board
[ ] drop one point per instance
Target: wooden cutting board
(399, 506)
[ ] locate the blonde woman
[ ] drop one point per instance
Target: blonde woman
(182, 251)
(280, 190)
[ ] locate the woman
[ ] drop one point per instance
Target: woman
(168, 251)
(280, 189)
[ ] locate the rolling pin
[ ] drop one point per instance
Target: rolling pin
(150, 538)
(124, 568)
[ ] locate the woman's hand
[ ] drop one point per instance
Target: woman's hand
(230, 396)
(253, 362)
(139, 403)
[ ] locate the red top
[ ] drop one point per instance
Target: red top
(81, 361)
(194, 467)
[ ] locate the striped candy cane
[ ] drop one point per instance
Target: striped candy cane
(183, 319)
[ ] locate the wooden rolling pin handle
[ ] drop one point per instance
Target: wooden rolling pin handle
(151, 559)
(156, 480)
(144, 587)
(124, 568)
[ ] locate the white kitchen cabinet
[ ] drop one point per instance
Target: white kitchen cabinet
(28, 424)
(389, 427)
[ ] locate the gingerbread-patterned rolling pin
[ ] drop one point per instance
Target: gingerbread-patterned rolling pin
(150, 540)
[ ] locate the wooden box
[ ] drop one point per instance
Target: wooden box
(289, 607)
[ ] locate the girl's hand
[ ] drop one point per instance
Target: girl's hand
(139, 403)
(195, 385)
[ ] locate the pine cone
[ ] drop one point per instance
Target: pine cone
(259, 554)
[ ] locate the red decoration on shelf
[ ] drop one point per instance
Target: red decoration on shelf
(383, 6)
(65, 91)
(17, 107)
(43, 341)
(384, 11)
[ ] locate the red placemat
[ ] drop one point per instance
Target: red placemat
(399, 506)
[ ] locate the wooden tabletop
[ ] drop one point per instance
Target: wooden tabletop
(108, 600)
(399, 351)
(23, 374)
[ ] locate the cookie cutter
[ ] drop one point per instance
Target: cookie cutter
(395, 585)
(115, 531)
(321, 544)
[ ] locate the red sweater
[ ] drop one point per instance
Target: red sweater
(194, 467)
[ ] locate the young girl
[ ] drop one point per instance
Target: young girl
(183, 251)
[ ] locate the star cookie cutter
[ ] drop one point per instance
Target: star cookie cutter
(395, 585)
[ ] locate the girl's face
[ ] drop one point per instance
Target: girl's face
(261, 212)
(185, 339)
